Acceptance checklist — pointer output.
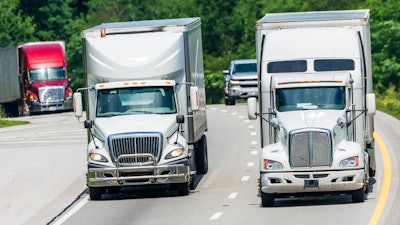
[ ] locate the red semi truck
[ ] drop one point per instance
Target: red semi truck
(34, 79)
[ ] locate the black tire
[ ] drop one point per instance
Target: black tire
(113, 190)
(358, 195)
(193, 182)
(267, 200)
(230, 101)
(183, 188)
(372, 172)
(95, 193)
(201, 156)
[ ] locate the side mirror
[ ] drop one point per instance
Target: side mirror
(252, 108)
(194, 98)
(274, 123)
(180, 119)
(225, 72)
(88, 124)
(78, 107)
(371, 105)
(73, 74)
(341, 121)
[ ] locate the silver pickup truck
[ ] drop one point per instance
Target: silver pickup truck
(240, 80)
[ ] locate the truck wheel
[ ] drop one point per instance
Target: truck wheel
(183, 188)
(201, 156)
(267, 200)
(372, 172)
(113, 190)
(193, 182)
(358, 195)
(95, 193)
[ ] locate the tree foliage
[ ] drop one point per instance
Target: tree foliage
(15, 27)
(227, 27)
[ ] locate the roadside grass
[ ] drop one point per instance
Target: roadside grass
(389, 102)
(9, 123)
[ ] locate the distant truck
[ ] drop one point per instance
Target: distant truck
(146, 105)
(240, 80)
(34, 79)
(315, 103)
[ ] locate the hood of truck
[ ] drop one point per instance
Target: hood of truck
(309, 118)
(135, 123)
(244, 76)
(38, 84)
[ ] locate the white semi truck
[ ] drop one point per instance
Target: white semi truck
(145, 105)
(315, 103)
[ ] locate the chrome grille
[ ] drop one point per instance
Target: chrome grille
(135, 143)
(51, 94)
(310, 148)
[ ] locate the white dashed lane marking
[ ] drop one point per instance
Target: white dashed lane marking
(216, 216)
(233, 195)
(245, 178)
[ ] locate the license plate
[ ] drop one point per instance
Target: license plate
(311, 184)
(52, 108)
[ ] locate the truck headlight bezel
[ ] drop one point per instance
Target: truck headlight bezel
(353, 161)
(175, 153)
(97, 157)
(272, 165)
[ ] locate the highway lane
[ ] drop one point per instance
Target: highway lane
(228, 194)
(43, 167)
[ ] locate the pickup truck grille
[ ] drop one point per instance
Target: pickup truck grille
(310, 148)
(51, 94)
(135, 143)
(248, 83)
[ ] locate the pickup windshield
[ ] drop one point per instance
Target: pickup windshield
(45, 74)
(135, 100)
(310, 98)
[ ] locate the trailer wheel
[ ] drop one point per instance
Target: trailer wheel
(358, 195)
(95, 193)
(183, 188)
(201, 156)
(267, 200)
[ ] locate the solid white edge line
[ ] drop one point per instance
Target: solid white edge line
(71, 212)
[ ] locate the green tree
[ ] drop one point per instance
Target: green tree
(15, 27)
(385, 37)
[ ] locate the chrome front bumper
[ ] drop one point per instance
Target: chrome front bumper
(36, 107)
(130, 175)
(303, 182)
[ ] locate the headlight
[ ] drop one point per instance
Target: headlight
(97, 157)
(349, 162)
(272, 165)
(234, 82)
(175, 153)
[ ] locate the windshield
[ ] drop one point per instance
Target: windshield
(290, 99)
(245, 68)
(45, 74)
(136, 100)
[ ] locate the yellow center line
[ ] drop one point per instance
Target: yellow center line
(387, 176)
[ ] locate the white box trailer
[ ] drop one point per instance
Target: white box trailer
(316, 104)
(146, 104)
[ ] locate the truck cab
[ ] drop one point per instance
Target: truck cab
(146, 105)
(45, 79)
(316, 104)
